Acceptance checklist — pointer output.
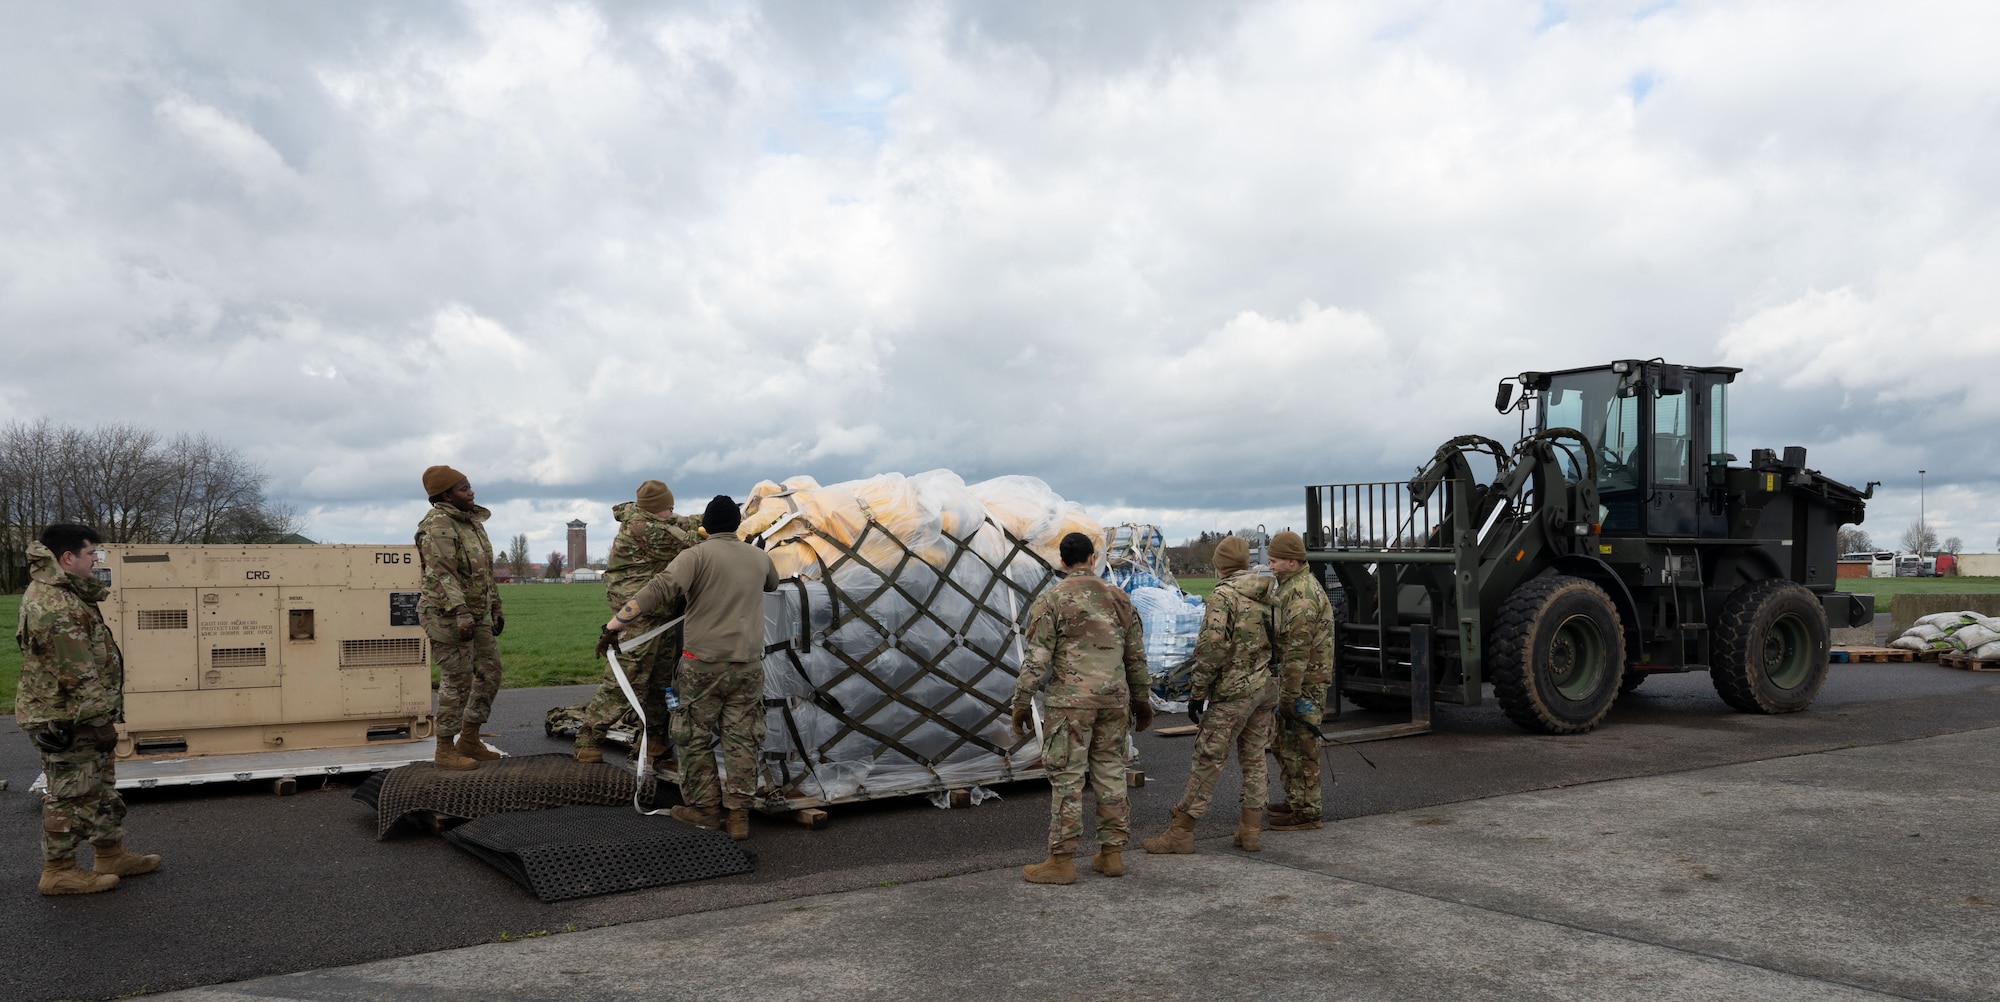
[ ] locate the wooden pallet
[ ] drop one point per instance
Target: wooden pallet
(1964, 663)
(1847, 655)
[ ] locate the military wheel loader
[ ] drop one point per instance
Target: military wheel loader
(1614, 540)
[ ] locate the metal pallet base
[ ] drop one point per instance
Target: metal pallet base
(579, 852)
(142, 773)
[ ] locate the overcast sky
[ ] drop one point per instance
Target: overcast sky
(1178, 260)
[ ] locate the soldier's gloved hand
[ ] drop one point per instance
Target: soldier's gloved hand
(463, 626)
(499, 623)
(1196, 707)
(54, 736)
(1287, 710)
(1142, 714)
(607, 640)
(1024, 721)
(105, 734)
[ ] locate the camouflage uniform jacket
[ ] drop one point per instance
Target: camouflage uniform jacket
(71, 669)
(1084, 646)
(646, 544)
(458, 561)
(1304, 627)
(1232, 655)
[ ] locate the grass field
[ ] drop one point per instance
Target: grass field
(1197, 586)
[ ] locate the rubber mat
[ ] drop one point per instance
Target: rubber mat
(579, 852)
(525, 783)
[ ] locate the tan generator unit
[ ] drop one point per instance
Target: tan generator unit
(232, 649)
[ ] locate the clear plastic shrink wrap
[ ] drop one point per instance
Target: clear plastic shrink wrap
(892, 644)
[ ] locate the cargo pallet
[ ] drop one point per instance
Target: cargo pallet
(1850, 655)
(1964, 663)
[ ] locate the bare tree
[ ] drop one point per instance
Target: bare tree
(554, 568)
(1853, 540)
(131, 486)
(1920, 538)
(1954, 546)
(519, 561)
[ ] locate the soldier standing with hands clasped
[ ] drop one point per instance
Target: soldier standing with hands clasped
(720, 584)
(650, 536)
(1085, 651)
(1304, 628)
(460, 612)
(1232, 682)
(70, 701)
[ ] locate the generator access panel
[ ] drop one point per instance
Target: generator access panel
(234, 649)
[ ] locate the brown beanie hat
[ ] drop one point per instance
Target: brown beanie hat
(439, 479)
(1232, 555)
(1288, 546)
(654, 496)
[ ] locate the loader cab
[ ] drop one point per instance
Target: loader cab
(1657, 435)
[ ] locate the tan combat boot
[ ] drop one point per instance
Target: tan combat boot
(60, 876)
(114, 859)
(1278, 809)
(1247, 828)
(1179, 836)
(1108, 861)
(1294, 823)
(471, 747)
(738, 824)
(1053, 870)
(588, 753)
(448, 756)
(700, 817)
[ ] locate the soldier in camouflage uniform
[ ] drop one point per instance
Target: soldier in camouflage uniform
(1234, 684)
(720, 583)
(460, 612)
(70, 701)
(1304, 627)
(650, 536)
(1087, 654)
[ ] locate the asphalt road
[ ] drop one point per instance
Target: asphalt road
(256, 884)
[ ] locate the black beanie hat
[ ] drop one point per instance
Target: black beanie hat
(721, 515)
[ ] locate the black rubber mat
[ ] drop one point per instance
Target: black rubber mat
(527, 783)
(578, 852)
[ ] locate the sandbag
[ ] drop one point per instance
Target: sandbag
(1947, 620)
(1973, 635)
(1909, 643)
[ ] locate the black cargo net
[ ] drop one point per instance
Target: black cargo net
(913, 664)
(577, 852)
(528, 783)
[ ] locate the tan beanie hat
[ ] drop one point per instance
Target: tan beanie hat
(439, 479)
(1288, 546)
(1232, 555)
(655, 497)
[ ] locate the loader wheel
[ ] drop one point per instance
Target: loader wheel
(1771, 648)
(1558, 655)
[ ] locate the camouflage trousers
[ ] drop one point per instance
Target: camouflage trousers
(1298, 755)
(1245, 724)
(649, 667)
(468, 672)
(81, 802)
(1079, 746)
(719, 698)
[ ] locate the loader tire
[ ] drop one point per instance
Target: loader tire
(1771, 648)
(1558, 655)
(1633, 680)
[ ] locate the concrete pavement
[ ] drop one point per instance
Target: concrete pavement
(1856, 873)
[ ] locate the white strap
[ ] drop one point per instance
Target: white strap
(625, 684)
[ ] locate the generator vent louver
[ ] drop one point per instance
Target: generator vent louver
(163, 619)
(236, 657)
(377, 653)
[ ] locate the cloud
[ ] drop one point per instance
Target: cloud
(1178, 258)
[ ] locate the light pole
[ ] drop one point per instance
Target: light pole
(1923, 524)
